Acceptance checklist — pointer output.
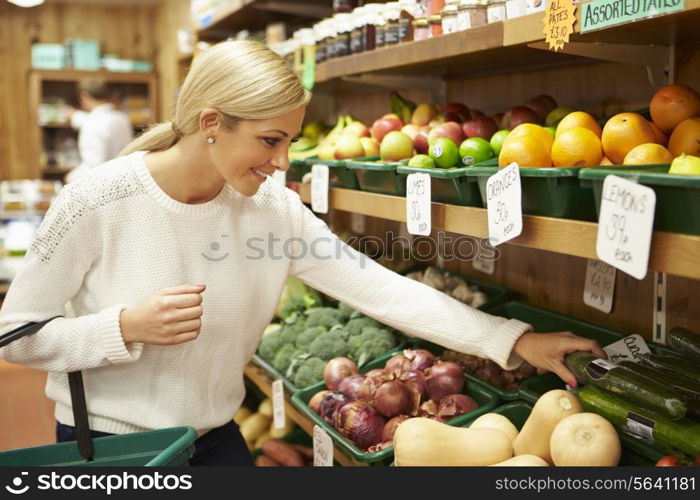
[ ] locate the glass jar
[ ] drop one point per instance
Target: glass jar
(357, 41)
(496, 11)
(380, 26)
(434, 7)
(342, 40)
(320, 42)
(330, 33)
(372, 19)
(409, 9)
(435, 23)
(472, 13)
(392, 13)
(449, 18)
(421, 29)
(344, 6)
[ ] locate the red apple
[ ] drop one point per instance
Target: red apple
(451, 116)
(411, 130)
(383, 126)
(498, 118)
(477, 112)
(482, 126)
(357, 129)
(394, 116)
(451, 130)
(456, 107)
(348, 146)
(542, 105)
(519, 115)
(370, 146)
(420, 141)
(423, 114)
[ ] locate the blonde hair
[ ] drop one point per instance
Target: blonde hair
(243, 80)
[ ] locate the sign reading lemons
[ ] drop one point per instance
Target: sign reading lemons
(603, 13)
(559, 19)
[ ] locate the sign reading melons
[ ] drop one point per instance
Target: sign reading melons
(559, 19)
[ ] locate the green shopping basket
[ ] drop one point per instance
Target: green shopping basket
(162, 447)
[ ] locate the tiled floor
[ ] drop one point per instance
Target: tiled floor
(26, 414)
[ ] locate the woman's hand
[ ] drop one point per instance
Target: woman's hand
(171, 316)
(546, 351)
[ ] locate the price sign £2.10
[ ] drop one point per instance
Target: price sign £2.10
(504, 203)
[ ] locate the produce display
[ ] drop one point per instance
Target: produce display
(452, 285)
(277, 452)
(257, 427)
(490, 372)
(366, 408)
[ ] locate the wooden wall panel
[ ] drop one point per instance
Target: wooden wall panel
(127, 31)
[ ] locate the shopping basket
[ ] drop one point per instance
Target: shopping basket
(172, 446)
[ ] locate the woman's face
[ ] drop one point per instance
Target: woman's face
(254, 149)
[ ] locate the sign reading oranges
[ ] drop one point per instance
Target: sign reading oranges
(559, 19)
(504, 204)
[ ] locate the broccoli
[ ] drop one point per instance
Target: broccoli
(345, 310)
(310, 372)
(290, 331)
(330, 345)
(355, 326)
(305, 338)
(284, 357)
(324, 316)
(369, 344)
(300, 304)
(270, 344)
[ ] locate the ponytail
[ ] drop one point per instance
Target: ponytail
(158, 137)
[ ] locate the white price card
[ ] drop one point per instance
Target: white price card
(278, 415)
(631, 348)
(280, 176)
(625, 225)
(418, 210)
(600, 285)
(319, 189)
(323, 448)
(504, 203)
(484, 264)
(357, 223)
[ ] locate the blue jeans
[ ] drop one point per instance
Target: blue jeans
(221, 446)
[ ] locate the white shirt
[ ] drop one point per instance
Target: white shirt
(113, 238)
(104, 132)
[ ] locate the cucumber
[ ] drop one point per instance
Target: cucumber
(689, 389)
(683, 435)
(685, 343)
(635, 388)
(671, 364)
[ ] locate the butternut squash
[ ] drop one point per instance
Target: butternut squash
(286, 429)
(523, 461)
(241, 415)
(552, 407)
(496, 421)
(424, 442)
(586, 440)
(253, 427)
(265, 407)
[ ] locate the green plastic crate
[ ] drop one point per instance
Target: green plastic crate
(677, 196)
(447, 186)
(162, 447)
(298, 169)
(378, 177)
(544, 321)
(485, 398)
(546, 191)
(339, 175)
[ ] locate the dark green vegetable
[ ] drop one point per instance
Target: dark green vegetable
(684, 386)
(628, 385)
(683, 435)
(685, 343)
(672, 364)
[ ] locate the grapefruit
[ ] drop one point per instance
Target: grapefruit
(672, 104)
(623, 132)
(579, 119)
(685, 138)
(648, 154)
(576, 147)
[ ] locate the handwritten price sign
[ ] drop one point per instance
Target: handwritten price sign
(503, 201)
(600, 285)
(559, 20)
(418, 213)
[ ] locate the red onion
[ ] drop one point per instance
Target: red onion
(330, 404)
(397, 364)
(415, 380)
(370, 385)
(315, 401)
(336, 370)
(420, 359)
(443, 379)
(360, 423)
(351, 385)
(375, 373)
(429, 409)
(394, 398)
(390, 427)
(455, 405)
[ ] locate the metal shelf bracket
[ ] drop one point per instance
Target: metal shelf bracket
(660, 60)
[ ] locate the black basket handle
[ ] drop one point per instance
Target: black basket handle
(77, 390)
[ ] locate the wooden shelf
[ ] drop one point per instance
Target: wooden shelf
(503, 48)
(235, 15)
(262, 381)
(70, 75)
(672, 253)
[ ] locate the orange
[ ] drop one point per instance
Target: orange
(648, 154)
(531, 130)
(605, 161)
(622, 132)
(579, 119)
(526, 151)
(660, 136)
(576, 147)
(672, 104)
(685, 138)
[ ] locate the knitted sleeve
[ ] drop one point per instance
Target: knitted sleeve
(328, 264)
(63, 251)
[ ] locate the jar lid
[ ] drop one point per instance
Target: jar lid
(435, 19)
(421, 22)
(450, 10)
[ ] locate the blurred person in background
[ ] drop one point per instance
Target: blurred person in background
(104, 130)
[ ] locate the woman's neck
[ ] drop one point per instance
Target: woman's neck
(183, 173)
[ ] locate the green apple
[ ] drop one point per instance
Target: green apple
(475, 150)
(497, 141)
(685, 165)
(422, 161)
(444, 152)
(555, 116)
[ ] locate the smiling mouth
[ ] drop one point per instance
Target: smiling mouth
(216, 259)
(259, 174)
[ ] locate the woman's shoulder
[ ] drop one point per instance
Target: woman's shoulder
(111, 181)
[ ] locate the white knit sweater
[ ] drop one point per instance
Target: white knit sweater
(114, 238)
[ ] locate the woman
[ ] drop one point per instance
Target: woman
(171, 260)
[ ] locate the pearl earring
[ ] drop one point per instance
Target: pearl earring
(211, 140)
